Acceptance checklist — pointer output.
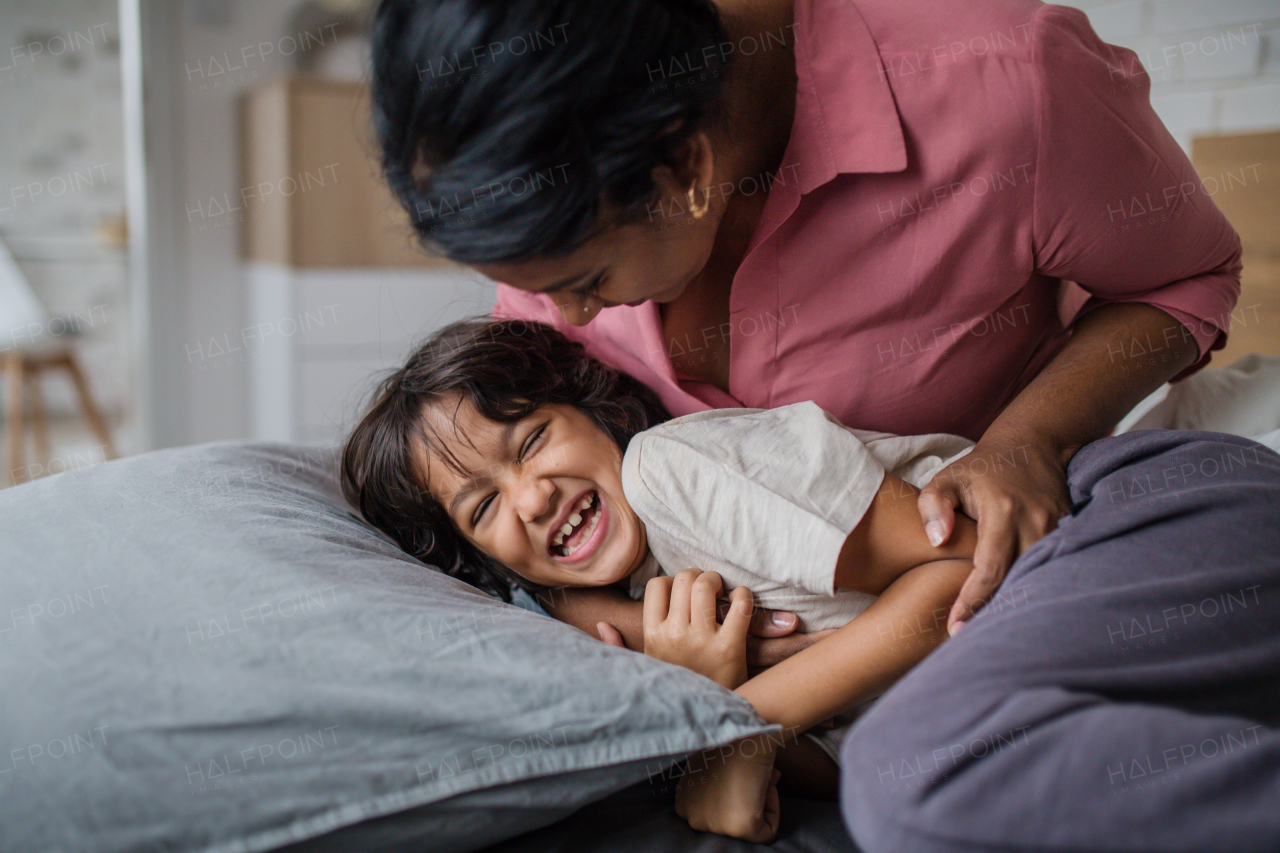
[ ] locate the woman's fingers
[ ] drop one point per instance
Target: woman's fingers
(1016, 493)
(765, 653)
(996, 550)
(937, 505)
(772, 623)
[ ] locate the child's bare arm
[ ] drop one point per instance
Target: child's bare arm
(887, 554)
(890, 541)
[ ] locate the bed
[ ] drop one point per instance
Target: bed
(204, 649)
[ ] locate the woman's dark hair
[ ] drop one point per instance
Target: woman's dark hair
(506, 369)
(505, 126)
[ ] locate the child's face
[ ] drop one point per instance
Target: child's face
(527, 483)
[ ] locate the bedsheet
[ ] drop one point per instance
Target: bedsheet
(642, 819)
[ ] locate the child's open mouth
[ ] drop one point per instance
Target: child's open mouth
(578, 529)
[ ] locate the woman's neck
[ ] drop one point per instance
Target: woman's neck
(760, 90)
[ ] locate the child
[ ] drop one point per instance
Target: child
(503, 453)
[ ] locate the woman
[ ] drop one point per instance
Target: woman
(871, 204)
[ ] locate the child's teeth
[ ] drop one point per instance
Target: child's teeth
(575, 519)
(566, 529)
(585, 502)
(558, 540)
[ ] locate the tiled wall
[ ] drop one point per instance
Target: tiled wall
(1214, 64)
(61, 174)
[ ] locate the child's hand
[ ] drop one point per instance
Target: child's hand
(734, 794)
(680, 625)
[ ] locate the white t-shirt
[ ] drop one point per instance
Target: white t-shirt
(767, 497)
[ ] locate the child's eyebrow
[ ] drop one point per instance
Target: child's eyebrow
(476, 480)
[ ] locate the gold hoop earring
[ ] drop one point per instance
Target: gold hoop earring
(699, 212)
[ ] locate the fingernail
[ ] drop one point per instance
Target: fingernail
(955, 628)
(784, 620)
(936, 531)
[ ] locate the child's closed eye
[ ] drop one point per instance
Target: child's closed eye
(526, 450)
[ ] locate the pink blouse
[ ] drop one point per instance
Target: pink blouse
(947, 175)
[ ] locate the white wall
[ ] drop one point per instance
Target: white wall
(62, 173)
(1214, 64)
(217, 402)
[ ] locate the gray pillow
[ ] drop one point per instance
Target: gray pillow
(205, 650)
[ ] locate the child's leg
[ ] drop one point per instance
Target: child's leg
(807, 770)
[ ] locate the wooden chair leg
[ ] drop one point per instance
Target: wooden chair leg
(40, 427)
(13, 378)
(91, 410)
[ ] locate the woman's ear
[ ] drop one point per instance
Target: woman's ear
(701, 163)
(693, 161)
(694, 165)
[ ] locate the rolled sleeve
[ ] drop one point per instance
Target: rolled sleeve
(1118, 206)
(771, 493)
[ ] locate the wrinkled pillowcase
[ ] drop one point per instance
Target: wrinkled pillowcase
(205, 650)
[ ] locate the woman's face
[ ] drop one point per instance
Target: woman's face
(655, 258)
(543, 495)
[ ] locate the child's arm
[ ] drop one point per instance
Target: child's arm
(886, 554)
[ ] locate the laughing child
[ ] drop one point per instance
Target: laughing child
(504, 454)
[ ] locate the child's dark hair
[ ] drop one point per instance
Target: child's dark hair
(506, 369)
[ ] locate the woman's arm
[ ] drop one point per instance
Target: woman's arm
(1167, 285)
(1117, 355)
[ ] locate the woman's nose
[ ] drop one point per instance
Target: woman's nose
(578, 310)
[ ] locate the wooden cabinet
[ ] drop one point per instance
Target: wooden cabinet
(338, 287)
(1241, 172)
(311, 194)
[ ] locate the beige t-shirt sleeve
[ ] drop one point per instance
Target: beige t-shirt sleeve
(766, 497)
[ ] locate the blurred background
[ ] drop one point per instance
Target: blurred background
(195, 245)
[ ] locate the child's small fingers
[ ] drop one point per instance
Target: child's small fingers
(657, 601)
(610, 635)
(738, 620)
(772, 808)
(702, 603)
(681, 594)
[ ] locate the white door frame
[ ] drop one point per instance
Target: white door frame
(150, 35)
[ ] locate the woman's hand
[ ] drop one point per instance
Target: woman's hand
(764, 653)
(680, 625)
(1016, 490)
(733, 794)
